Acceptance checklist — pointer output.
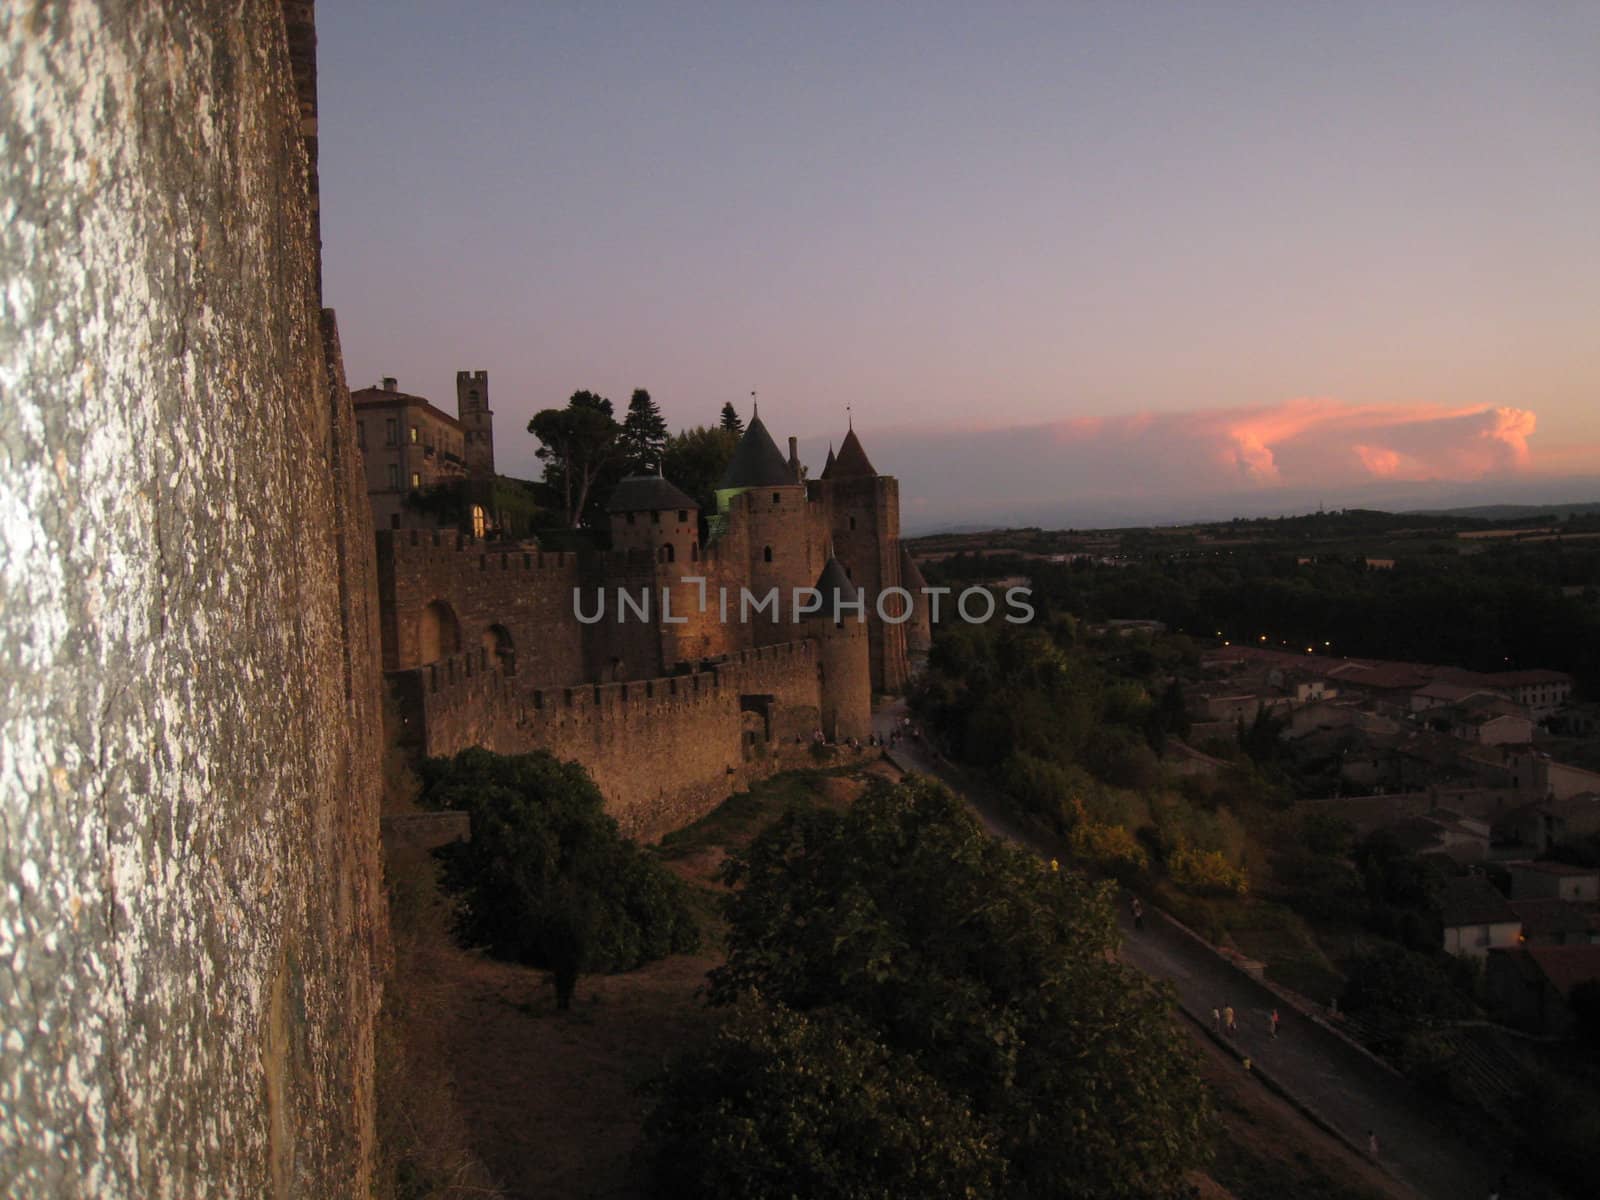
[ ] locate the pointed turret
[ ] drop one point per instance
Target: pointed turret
(852, 461)
(756, 462)
(828, 465)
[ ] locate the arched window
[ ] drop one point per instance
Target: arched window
(438, 633)
(480, 521)
(667, 553)
(766, 555)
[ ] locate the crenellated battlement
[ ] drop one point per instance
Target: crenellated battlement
(660, 749)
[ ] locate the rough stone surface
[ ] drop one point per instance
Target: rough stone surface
(190, 930)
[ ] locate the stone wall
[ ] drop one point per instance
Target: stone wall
(664, 752)
(190, 922)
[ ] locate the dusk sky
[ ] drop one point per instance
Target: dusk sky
(1058, 258)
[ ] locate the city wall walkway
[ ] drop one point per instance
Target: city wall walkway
(1336, 1083)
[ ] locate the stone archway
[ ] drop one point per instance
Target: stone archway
(438, 633)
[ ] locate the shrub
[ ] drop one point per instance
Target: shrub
(814, 1105)
(547, 879)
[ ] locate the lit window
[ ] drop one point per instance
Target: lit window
(416, 480)
(413, 435)
(479, 521)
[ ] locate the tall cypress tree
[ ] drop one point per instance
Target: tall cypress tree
(730, 419)
(644, 433)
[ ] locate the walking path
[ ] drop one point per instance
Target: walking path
(1338, 1084)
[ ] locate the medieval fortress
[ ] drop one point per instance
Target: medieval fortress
(200, 619)
(675, 667)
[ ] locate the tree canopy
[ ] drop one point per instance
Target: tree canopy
(731, 420)
(578, 445)
(695, 459)
(978, 974)
(547, 879)
(643, 436)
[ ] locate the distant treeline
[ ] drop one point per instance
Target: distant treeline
(1506, 608)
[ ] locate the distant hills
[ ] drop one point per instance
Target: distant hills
(1511, 512)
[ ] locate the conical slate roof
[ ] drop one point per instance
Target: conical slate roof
(828, 466)
(852, 460)
(835, 587)
(910, 574)
(647, 493)
(756, 461)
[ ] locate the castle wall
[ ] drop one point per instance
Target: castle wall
(485, 584)
(191, 923)
(663, 751)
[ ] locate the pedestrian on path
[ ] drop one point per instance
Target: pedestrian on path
(1137, 909)
(1216, 1020)
(1273, 1020)
(1372, 1143)
(1229, 1022)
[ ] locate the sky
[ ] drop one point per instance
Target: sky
(1055, 259)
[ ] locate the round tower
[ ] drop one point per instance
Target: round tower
(919, 629)
(845, 666)
(762, 509)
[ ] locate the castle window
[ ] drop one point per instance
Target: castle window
(776, 496)
(416, 480)
(391, 432)
(852, 522)
(394, 477)
(766, 555)
(683, 515)
(667, 553)
(694, 551)
(480, 522)
(413, 435)
(361, 434)
(655, 518)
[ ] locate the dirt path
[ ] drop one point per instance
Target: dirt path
(553, 1099)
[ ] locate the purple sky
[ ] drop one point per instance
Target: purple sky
(1047, 252)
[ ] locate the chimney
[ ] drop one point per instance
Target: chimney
(391, 384)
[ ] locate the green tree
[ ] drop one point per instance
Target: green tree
(695, 459)
(547, 879)
(990, 970)
(731, 421)
(578, 444)
(813, 1104)
(643, 436)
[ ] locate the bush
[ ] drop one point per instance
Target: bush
(981, 966)
(1401, 986)
(547, 879)
(814, 1105)
(1206, 872)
